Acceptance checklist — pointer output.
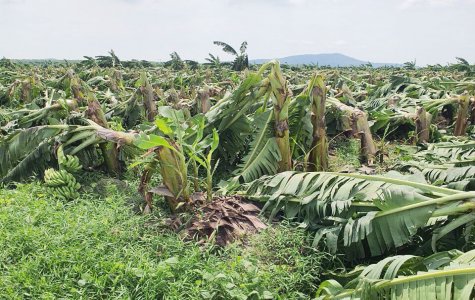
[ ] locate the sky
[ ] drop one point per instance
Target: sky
(390, 31)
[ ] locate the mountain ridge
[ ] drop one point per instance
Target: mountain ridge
(323, 59)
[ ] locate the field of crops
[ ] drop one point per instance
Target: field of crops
(180, 180)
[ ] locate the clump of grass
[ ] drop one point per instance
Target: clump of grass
(346, 153)
(285, 251)
(98, 248)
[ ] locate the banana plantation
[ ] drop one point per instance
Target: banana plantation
(374, 168)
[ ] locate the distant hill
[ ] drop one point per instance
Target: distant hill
(324, 59)
(42, 61)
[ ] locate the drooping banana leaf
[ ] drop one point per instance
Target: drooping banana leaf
(27, 151)
(229, 116)
(445, 275)
(300, 124)
(368, 214)
(458, 178)
(263, 155)
(455, 152)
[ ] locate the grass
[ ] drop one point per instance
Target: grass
(98, 248)
(346, 153)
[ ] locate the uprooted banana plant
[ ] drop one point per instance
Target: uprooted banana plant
(362, 214)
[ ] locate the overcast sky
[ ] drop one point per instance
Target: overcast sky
(430, 31)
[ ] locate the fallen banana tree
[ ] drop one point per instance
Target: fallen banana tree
(364, 215)
(25, 152)
(416, 118)
(355, 122)
(455, 153)
(458, 178)
(29, 151)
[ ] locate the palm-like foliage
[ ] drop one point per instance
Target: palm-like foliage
(213, 61)
(241, 61)
(464, 66)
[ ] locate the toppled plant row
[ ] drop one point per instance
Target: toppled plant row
(208, 133)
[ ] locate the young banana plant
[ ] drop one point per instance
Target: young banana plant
(173, 152)
(205, 160)
(170, 155)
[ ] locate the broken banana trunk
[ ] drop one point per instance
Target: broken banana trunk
(422, 122)
(472, 111)
(109, 151)
(355, 122)
(280, 95)
(462, 115)
(146, 91)
(318, 159)
(203, 102)
(149, 170)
